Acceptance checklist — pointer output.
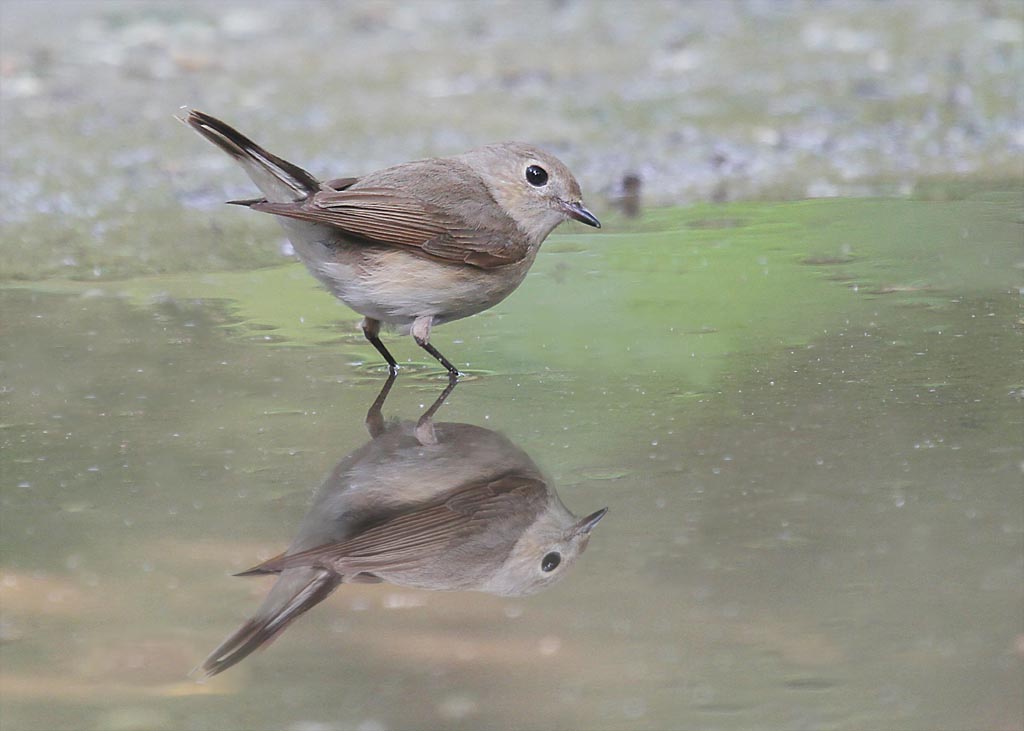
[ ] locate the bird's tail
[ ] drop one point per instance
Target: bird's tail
(280, 180)
(295, 592)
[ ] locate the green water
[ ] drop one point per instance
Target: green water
(807, 420)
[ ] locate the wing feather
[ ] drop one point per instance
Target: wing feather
(422, 534)
(391, 217)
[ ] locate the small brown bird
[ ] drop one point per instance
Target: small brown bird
(418, 244)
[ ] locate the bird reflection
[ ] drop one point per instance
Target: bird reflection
(440, 506)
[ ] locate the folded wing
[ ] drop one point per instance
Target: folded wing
(394, 218)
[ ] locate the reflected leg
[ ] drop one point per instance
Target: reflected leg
(425, 425)
(375, 417)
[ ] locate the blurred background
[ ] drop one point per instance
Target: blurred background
(789, 363)
(702, 100)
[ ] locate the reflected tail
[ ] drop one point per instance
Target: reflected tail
(295, 592)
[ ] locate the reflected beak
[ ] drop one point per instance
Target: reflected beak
(577, 212)
(587, 524)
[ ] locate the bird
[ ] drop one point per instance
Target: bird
(418, 244)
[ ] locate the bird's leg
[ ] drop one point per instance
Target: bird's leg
(371, 329)
(421, 334)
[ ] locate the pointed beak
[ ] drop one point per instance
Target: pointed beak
(578, 212)
(587, 524)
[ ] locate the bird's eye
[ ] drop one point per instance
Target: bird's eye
(550, 561)
(536, 176)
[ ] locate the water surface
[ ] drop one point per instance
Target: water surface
(806, 420)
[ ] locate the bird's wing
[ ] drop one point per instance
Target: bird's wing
(341, 183)
(335, 183)
(420, 535)
(394, 218)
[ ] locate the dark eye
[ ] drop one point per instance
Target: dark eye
(537, 176)
(551, 561)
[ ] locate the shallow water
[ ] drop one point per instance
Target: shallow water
(806, 420)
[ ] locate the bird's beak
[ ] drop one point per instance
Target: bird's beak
(579, 213)
(587, 524)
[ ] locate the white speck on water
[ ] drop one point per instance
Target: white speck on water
(549, 645)
(456, 707)
(398, 600)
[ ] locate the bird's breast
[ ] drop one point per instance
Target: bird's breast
(396, 286)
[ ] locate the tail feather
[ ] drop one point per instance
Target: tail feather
(291, 597)
(280, 180)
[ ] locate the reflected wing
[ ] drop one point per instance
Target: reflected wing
(390, 217)
(421, 534)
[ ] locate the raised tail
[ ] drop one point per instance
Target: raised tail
(294, 593)
(280, 180)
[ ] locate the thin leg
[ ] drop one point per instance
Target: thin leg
(425, 425)
(371, 329)
(375, 417)
(421, 334)
(452, 370)
(429, 413)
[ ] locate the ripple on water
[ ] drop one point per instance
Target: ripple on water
(421, 372)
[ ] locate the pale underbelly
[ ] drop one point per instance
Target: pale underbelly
(396, 287)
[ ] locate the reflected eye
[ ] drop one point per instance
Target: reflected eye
(536, 176)
(550, 562)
